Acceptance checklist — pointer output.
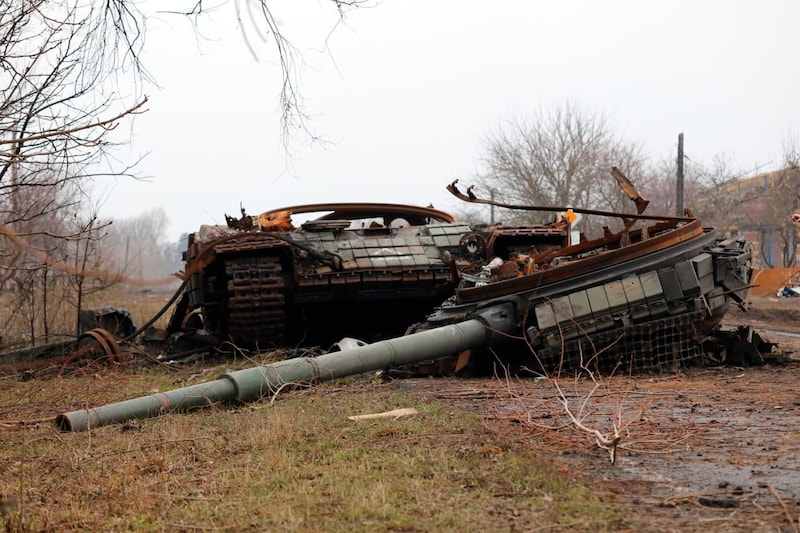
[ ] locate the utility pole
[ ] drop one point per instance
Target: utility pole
(491, 207)
(679, 186)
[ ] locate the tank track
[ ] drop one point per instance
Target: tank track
(256, 301)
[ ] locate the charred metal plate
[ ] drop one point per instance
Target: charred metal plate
(703, 264)
(545, 317)
(687, 277)
(654, 293)
(579, 301)
(637, 303)
(598, 300)
(670, 284)
(615, 293)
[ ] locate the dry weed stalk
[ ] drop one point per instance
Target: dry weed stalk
(785, 508)
(578, 418)
(606, 442)
(620, 427)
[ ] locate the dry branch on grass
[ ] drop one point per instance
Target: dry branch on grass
(577, 419)
(394, 414)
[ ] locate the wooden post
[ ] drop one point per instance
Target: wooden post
(679, 186)
(491, 207)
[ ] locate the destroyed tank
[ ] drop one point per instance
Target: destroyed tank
(646, 298)
(362, 270)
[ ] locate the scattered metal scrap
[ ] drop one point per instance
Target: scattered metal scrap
(100, 330)
(741, 346)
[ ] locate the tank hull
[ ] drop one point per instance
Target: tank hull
(257, 287)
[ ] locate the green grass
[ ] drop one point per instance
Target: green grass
(296, 464)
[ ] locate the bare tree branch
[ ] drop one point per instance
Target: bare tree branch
(559, 157)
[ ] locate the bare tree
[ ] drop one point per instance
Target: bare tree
(791, 150)
(779, 198)
(784, 200)
(55, 112)
(724, 197)
(757, 206)
(61, 65)
(61, 68)
(262, 33)
(791, 163)
(561, 157)
(659, 181)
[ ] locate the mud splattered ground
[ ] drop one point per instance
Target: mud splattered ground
(713, 449)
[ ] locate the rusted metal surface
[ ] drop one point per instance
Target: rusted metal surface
(560, 265)
(355, 271)
(769, 281)
(647, 299)
(741, 346)
(414, 215)
(470, 197)
(642, 298)
(116, 321)
(626, 185)
(97, 345)
(98, 341)
(360, 270)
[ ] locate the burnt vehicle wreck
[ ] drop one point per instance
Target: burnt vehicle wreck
(358, 270)
(644, 298)
(649, 294)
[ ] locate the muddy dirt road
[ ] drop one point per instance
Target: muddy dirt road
(712, 449)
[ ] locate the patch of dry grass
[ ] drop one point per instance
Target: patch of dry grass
(294, 464)
(19, 322)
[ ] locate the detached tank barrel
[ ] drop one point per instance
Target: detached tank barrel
(254, 383)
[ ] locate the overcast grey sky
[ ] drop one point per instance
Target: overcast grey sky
(404, 94)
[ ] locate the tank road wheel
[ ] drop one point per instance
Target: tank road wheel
(256, 302)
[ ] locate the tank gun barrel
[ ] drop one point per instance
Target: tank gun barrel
(252, 384)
